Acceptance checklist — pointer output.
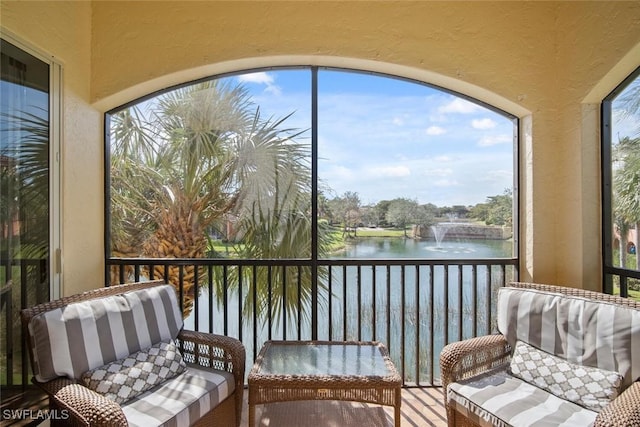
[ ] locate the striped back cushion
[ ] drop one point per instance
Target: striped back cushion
(579, 330)
(81, 336)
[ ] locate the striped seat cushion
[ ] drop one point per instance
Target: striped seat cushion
(498, 399)
(71, 340)
(181, 400)
(582, 331)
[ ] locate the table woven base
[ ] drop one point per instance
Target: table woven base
(322, 413)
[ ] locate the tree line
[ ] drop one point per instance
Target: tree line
(348, 212)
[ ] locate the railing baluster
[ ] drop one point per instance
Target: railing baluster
(254, 292)
(196, 300)
(180, 285)
(359, 285)
(269, 301)
(446, 305)
(344, 302)
(460, 304)
(432, 356)
(403, 321)
(299, 302)
(330, 304)
(284, 302)
(225, 296)
(240, 281)
(417, 323)
(374, 319)
(474, 298)
(211, 289)
(488, 298)
(152, 273)
(388, 281)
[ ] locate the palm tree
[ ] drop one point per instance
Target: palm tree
(626, 192)
(189, 159)
(24, 180)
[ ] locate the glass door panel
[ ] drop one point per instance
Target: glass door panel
(24, 199)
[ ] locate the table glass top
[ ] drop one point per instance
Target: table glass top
(323, 359)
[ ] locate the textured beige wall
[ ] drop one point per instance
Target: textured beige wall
(63, 30)
(596, 37)
(538, 60)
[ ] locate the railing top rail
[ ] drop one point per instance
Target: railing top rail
(307, 261)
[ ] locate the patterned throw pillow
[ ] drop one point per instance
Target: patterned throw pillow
(124, 379)
(592, 388)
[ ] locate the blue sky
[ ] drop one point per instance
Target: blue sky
(625, 124)
(385, 138)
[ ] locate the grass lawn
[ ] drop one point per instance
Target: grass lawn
(632, 294)
(224, 249)
(379, 232)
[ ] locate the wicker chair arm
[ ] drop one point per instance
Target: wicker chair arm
(83, 406)
(218, 352)
(622, 411)
(467, 358)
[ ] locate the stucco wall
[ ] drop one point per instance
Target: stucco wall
(538, 60)
(596, 36)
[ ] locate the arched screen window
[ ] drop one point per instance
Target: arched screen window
(311, 163)
(621, 187)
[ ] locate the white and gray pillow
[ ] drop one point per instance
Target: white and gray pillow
(124, 379)
(590, 387)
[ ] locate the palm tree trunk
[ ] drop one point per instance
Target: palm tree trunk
(177, 237)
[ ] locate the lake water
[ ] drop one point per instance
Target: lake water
(378, 247)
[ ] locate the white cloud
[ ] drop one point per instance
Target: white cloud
(459, 105)
(439, 172)
(261, 78)
(398, 121)
(443, 159)
(500, 175)
(445, 182)
(491, 140)
(343, 172)
(485, 123)
(435, 130)
(390, 171)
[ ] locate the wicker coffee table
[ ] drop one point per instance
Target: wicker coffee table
(324, 370)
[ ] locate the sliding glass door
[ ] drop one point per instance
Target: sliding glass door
(26, 184)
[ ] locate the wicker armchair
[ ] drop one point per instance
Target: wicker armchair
(474, 362)
(83, 406)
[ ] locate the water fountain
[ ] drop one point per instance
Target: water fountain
(439, 231)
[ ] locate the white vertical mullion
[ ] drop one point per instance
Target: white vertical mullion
(55, 179)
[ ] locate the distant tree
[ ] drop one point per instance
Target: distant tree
(480, 212)
(346, 209)
(382, 207)
(424, 216)
(324, 207)
(460, 211)
(432, 209)
(402, 212)
(369, 215)
(497, 210)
